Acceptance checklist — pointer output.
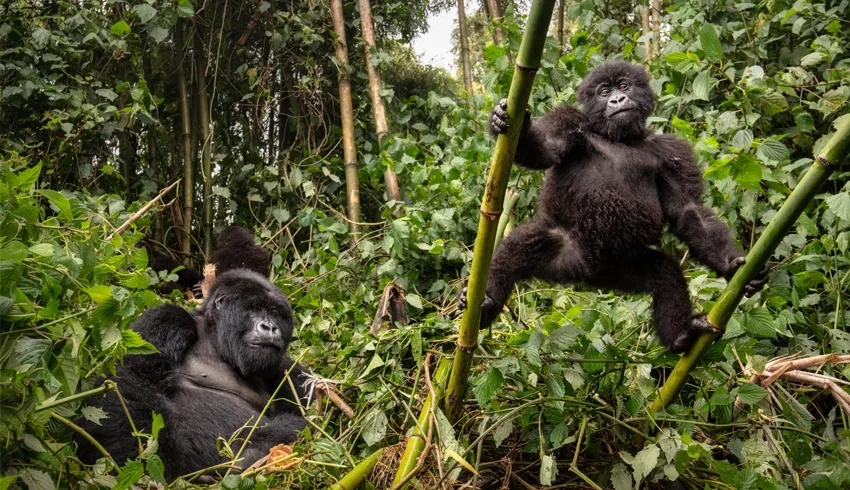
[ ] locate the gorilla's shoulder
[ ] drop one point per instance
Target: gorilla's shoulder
(669, 144)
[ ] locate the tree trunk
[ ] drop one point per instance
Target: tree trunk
(528, 61)
(644, 27)
(185, 125)
(381, 128)
(464, 52)
(656, 26)
(497, 19)
(206, 141)
(561, 25)
(352, 185)
(832, 154)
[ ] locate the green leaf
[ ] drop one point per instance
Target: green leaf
(185, 9)
(5, 481)
(548, 470)
(702, 85)
(726, 122)
(40, 38)
(135, 344)
(746, 170)
(751, 393)
(805, 122)
(94, 414)
(742, 140)
(36, 479)
(28, 177)
(42, 249)
(129, 476)
(159, 34)
(99, 294)
(107, 93)
(119, 29)
(840, 205)
(503, 431)
(145, 12)
(758, 322)
(61, 202)
(374, 426)
(773, 103)
(14, 251)
(564, 336)
(30, 351)
(488, 385)
(532, 348)
(157, 425)
(645, 462)
(710, 42)
(156, 469)
(675, 58)
(414, 300)
(773, 150)
(620, 477)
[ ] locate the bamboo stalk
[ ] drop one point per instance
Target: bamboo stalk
(381, 127)
(561, 26)
(416, 442)
(511, 199)
(656, 26)
(359, 473)
(644, 28)
(464, 52)
(206, 142)
(832, 154)
(185, 129)
(352, 185)
(497, 19)
(141, 212)
(528, 60)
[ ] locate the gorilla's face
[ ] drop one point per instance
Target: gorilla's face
(617, 99)
(250, 321)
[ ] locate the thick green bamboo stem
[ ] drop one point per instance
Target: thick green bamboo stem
(831, 155)
(206, 142)
(346, 108)
(186, 134)
(511, 199)
(359, 473)
(416, 442)
(527, 62)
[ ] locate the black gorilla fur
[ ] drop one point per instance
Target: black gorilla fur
(235, 249)
(216, 370)
(609, 189)
(187, 278)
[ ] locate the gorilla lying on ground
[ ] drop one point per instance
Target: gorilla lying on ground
(216, 370)
(609, 190)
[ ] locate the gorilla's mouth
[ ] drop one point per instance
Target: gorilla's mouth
(266, 345)
(621, 110)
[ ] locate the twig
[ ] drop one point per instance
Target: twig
(79, 430)
(138, 214)
(106, 387)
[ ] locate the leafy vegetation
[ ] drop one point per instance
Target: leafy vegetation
(90, 130)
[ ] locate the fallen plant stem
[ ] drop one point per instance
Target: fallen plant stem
(359, 473)
(138, 214)
(106, 387)
(79, 430)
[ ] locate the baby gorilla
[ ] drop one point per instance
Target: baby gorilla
(217, 369)
(609, 189)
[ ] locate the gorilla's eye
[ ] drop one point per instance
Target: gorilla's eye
(605, 91)
(624, 85)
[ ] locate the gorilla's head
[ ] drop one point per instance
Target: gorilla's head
(250, 321)
(617, 100)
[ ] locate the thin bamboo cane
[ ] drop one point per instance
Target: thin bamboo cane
(381, 126)
(832, 154)
(528, 60)
(416, 442)
(206, 142)
(352, 184)
(359, 473)
(185, 130)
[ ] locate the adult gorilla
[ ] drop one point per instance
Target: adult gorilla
(217, 369)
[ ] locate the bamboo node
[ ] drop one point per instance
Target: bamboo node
(526, 69)
(823, 161)
(467, 348)
(490, 216)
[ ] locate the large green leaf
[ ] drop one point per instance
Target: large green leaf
(710, 42)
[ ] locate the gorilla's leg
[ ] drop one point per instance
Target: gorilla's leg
(660, 274)
(538, 249)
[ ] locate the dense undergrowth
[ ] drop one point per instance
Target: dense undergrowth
(756, 87)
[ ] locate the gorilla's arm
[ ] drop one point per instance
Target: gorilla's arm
(680, 190)
(546, 141)
(173, 331)
(286, 400)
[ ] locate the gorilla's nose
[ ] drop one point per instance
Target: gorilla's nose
(617, 100)
(267, 330)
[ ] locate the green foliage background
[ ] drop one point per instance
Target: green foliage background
(756, 87)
